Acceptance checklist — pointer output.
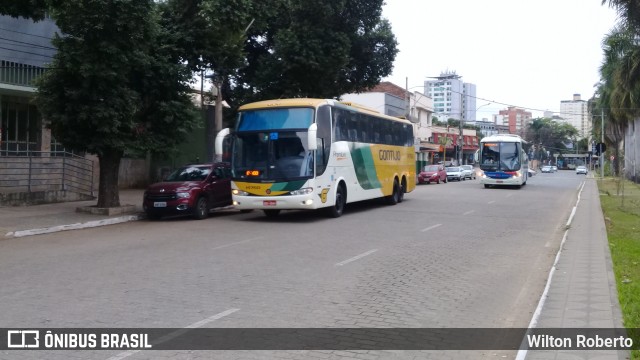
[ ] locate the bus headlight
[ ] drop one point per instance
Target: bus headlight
(303, 191)
(239, 192)
(517, 174)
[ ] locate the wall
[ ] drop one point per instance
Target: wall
(632, 151)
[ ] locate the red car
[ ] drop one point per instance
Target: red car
(190, 190)
(432, 173)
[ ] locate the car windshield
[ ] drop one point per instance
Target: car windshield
(189, 173)
(453, 169)
(431, 168)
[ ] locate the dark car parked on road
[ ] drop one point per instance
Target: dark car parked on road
(190, 190)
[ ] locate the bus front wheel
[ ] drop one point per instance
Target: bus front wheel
(337, 209)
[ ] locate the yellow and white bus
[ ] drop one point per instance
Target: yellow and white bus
(317, 153)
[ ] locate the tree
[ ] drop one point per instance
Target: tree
(444, 141)
(550, 134)
(33, 9)
(319, 48)
(115, 85)
(212, 37)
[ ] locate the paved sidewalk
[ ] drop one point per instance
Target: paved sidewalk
(17, 221)
(582, 292)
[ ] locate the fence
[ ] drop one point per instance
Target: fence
(19, 74)
(37, 171)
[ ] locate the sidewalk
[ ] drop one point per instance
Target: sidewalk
(582, 292)
(18, 221)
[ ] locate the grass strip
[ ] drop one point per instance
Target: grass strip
(620, 201)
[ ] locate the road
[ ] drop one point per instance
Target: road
(451, 255)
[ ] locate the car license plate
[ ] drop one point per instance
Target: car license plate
(269, 203)
(499, 181)
(160, 204)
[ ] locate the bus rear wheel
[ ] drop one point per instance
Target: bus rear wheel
(395, 195)
(403, 190)
(337, 209)
(271, 213)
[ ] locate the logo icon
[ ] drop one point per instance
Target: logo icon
(23, 339)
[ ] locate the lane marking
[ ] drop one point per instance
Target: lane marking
(431, 227)
(491, 202)
(356, 257)
(234, 244)
(177, 333)
(469, 212)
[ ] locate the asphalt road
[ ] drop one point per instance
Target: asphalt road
(451, 255)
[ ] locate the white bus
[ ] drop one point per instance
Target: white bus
(503, 160)
(317, 153)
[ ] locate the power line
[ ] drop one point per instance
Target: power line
(27, 52)
(24, 33)
(29, 44)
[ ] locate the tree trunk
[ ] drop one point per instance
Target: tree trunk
(108, 195)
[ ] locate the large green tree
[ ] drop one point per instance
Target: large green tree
(617, 99)
(286, 48)
(33, 9)
(321, 48)
(115, 85)
(549, 134)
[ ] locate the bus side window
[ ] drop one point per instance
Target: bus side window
(340, 125)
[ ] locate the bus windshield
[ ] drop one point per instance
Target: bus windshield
(272, 156)
(500, 156)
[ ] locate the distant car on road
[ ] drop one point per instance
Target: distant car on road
(554, 168)
(547, 169)
(190, 190)
(468, 172)
(581, 170)
(454, 173)
(432, 173)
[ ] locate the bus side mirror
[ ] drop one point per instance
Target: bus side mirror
(476, 156)
(219, 143)
(312, 141)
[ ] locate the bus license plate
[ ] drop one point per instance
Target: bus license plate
(269, 203)
(499, 181)
(160, 204)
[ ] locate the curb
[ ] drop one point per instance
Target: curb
(76, 226)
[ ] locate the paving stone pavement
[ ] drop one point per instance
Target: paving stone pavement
(581, 294)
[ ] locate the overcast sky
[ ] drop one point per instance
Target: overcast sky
(530, 54)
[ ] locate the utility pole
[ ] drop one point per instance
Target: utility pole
(460, 135)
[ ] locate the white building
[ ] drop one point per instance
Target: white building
(452, 97)
(575, 112)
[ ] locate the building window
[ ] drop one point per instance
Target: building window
(20, 125)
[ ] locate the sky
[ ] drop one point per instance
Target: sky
(529, 54)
